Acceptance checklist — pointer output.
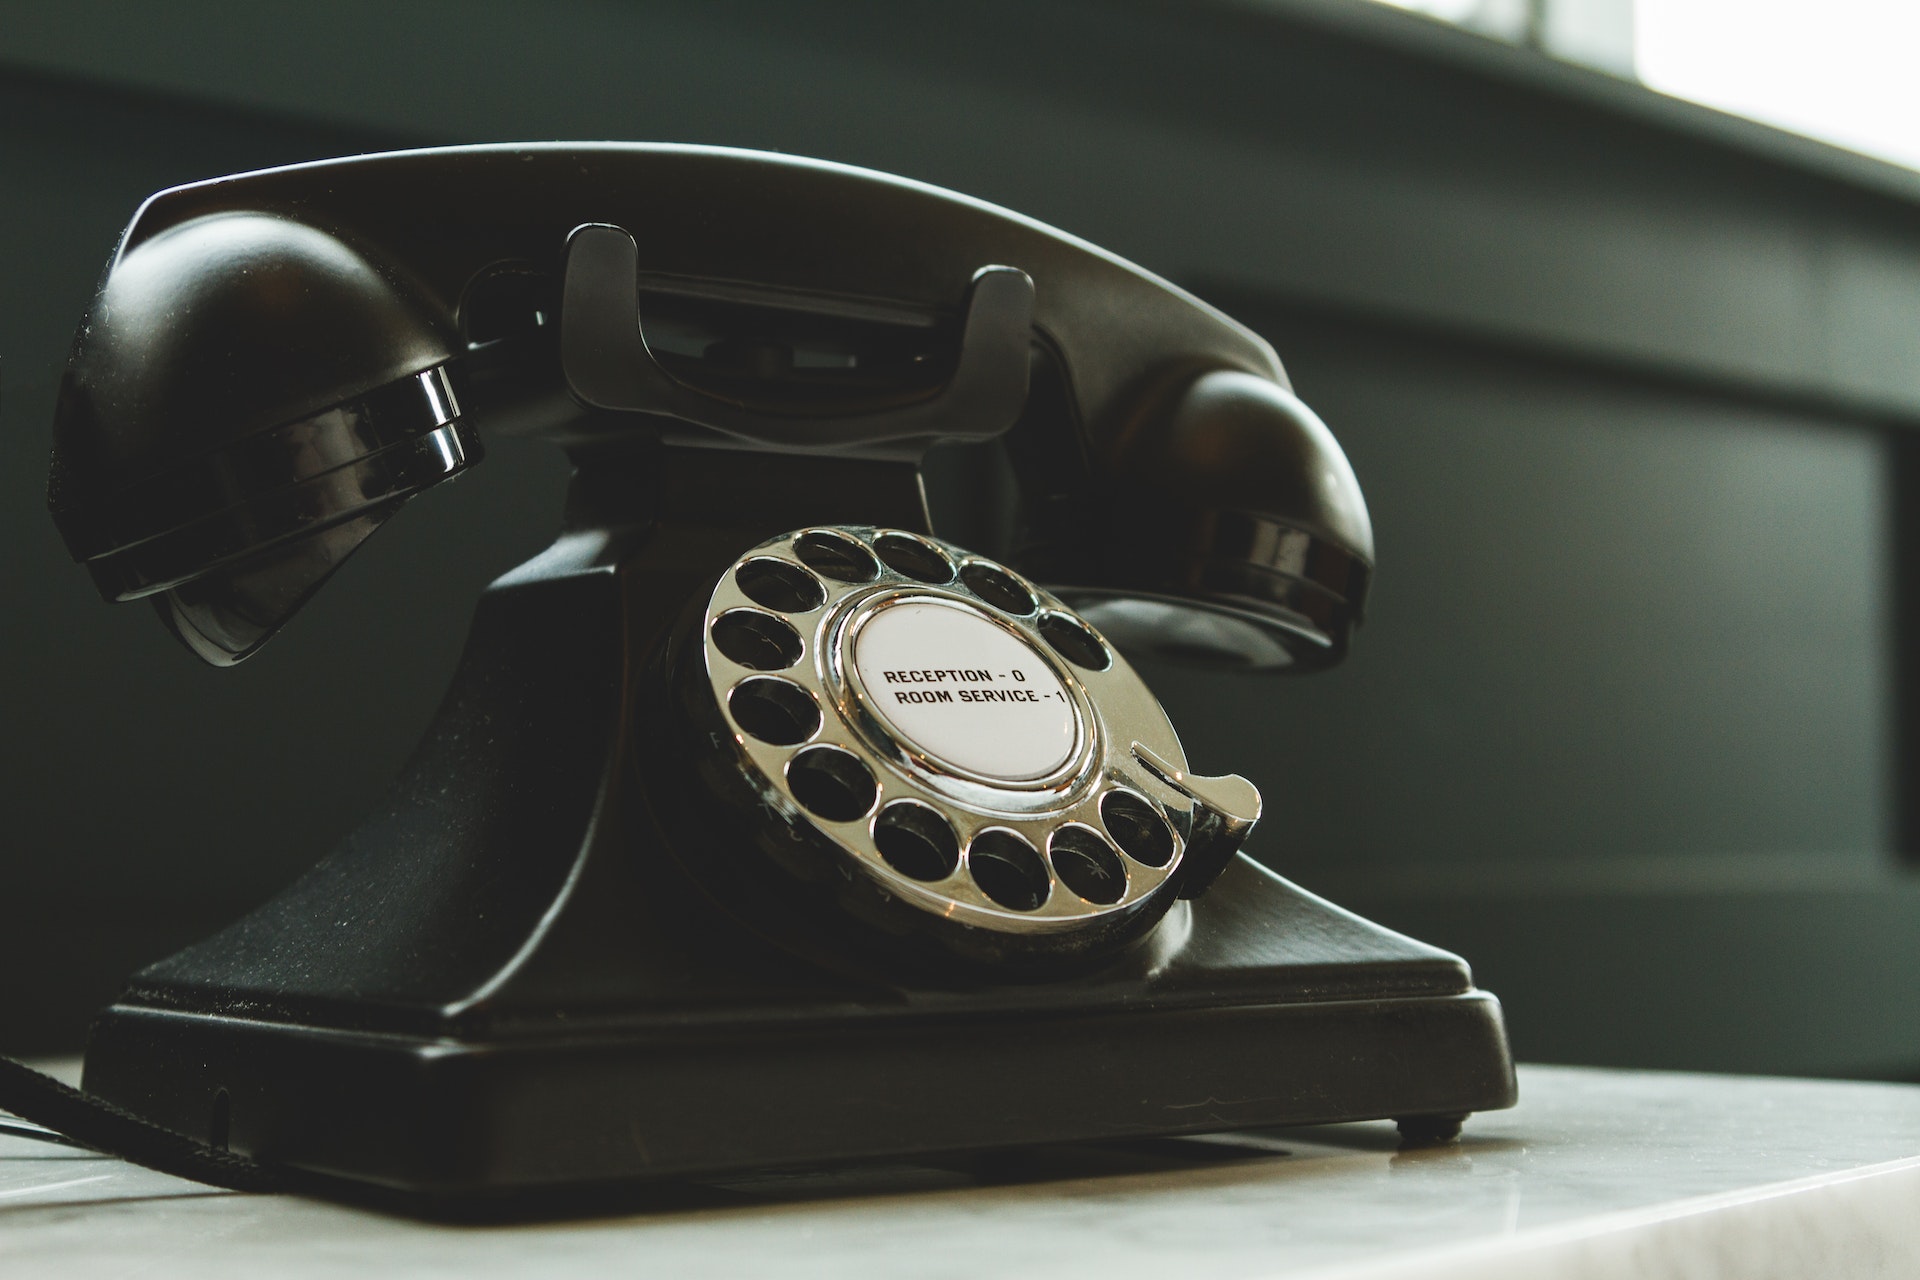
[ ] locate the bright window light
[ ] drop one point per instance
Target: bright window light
(1845, 71)
(1504, 18)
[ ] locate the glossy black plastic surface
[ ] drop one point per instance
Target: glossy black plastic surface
(609, 364)
(505, 980)
(248, 399)
(220, 326)
(1196, 487)
(727, 298)
(520, 972)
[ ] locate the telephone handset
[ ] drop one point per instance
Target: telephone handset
(760, 824)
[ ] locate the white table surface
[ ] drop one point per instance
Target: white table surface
(1595, 1174)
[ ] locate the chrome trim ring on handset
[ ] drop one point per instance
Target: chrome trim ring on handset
(957, 737)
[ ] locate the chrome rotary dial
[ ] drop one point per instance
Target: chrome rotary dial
(956, 736)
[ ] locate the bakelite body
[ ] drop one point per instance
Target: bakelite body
(507, 980)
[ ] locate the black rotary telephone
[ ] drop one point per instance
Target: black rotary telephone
(760, 825)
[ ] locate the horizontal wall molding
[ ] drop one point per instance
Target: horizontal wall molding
(1276, 314)
(1331, 151)
(1797, 980)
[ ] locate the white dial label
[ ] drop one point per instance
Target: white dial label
(964, 691)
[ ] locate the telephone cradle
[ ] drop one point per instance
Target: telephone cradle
(760, 826)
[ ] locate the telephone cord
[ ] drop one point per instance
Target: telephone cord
(57, 1112)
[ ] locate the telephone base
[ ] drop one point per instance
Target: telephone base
(510, 979)
(1322, 1018)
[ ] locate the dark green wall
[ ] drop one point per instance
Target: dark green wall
(1620, 377)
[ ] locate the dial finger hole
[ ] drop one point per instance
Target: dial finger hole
(773, 710)
(757, 640)
(998, 588)
(836, 556)
(916, 841)
(1137, 827)
(921, 561)
(1008, 870)
(1088, 865)
(830, 783)
(778, 585)
(1074, 640)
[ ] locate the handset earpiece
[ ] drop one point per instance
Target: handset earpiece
(1232, 531)
(248, 399)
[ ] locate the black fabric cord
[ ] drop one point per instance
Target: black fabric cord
(86, 1121)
